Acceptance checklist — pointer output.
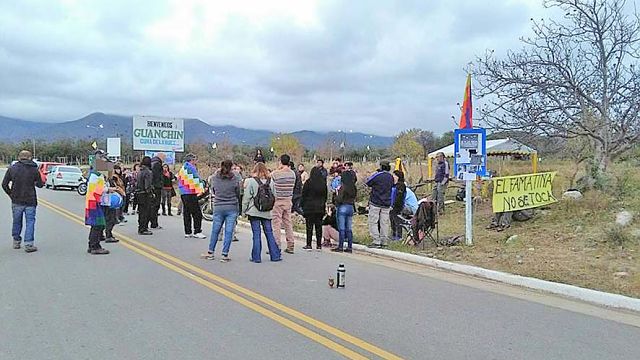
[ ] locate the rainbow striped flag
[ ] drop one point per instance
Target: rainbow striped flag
(189, 181)
(466, 118)
(93, 214)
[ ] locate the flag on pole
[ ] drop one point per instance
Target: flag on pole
(466, 118)
(94, 145)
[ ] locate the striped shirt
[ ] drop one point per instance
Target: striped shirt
(284, 181)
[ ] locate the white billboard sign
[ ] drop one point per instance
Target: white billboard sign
(158, 133)
(113, 147)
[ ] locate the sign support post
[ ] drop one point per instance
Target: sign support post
(468, 239)
(469, 162)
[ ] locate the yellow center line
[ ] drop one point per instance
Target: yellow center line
(157, 255)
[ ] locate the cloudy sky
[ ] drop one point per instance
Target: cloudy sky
(363, 65)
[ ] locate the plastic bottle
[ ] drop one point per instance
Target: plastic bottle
(341, 276)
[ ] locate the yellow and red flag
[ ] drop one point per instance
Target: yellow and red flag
(466, 118)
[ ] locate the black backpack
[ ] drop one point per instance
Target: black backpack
(264, 198)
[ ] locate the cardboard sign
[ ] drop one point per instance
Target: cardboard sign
(512, 193)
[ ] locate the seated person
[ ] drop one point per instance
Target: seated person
(330, 227)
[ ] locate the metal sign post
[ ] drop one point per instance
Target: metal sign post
(469, 162)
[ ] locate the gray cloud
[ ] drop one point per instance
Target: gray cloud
(373, 66)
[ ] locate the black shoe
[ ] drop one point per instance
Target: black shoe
(309, 248)
(235, 239)
(111, 240)
(157, 227)
(99, 251)
(146, 232)
(30, 248)
(289, 251)
(337, 249)
(348, 250)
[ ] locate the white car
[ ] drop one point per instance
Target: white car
(64, 176)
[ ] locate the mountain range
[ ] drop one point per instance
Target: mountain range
(100, 125)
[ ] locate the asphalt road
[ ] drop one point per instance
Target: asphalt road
(154, 298)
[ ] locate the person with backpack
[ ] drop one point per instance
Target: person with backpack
(225, 189)
(191, 187)
(284, 180)
(380, 183)
(257, 203)
(345, 198)
(313, 202)
(20, 183)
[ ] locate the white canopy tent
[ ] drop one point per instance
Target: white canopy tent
(497, 147)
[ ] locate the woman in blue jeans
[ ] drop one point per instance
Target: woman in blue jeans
(345, 198)
(258, 219)
(225, 189)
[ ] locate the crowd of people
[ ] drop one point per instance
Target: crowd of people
(325, 198)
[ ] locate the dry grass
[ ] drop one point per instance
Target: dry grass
(568, 242)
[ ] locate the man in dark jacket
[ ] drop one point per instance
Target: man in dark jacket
(297, 191)
(144, 196)
(156, 168)
(380, 183)
(20, 183)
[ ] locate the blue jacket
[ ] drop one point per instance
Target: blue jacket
(381, 184)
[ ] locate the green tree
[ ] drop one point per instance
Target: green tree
(287, 144)
(407, 145)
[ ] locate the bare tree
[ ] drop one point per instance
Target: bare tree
(575, 77)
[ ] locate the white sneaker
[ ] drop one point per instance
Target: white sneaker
(200, 236)
(188, 236)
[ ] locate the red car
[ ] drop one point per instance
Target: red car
(45, 167)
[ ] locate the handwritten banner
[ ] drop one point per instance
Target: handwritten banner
(511, 193)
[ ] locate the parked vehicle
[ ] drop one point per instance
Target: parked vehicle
(64, 176)
(45, 167)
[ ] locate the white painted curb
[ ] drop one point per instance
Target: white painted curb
(570, 291)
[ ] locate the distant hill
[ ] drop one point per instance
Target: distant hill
(15, 130)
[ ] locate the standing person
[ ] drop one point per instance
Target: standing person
(118, 180)
(297, 191)
(314, 202)
(156, 181)
(323, 170)
(144, 196)
(348, 166)
(226, 191)
(259, 192)
(380, 183)
(259, 158)
(131, 189)
(284, 180)
(399, 192)
(94, 215)
(330, 227)
(191, 187)
(20, 184)
(345, 199)
(111, 214)
(441, 179)
(304, 175)
(167, 189)
(337, 166)
(237, 172)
